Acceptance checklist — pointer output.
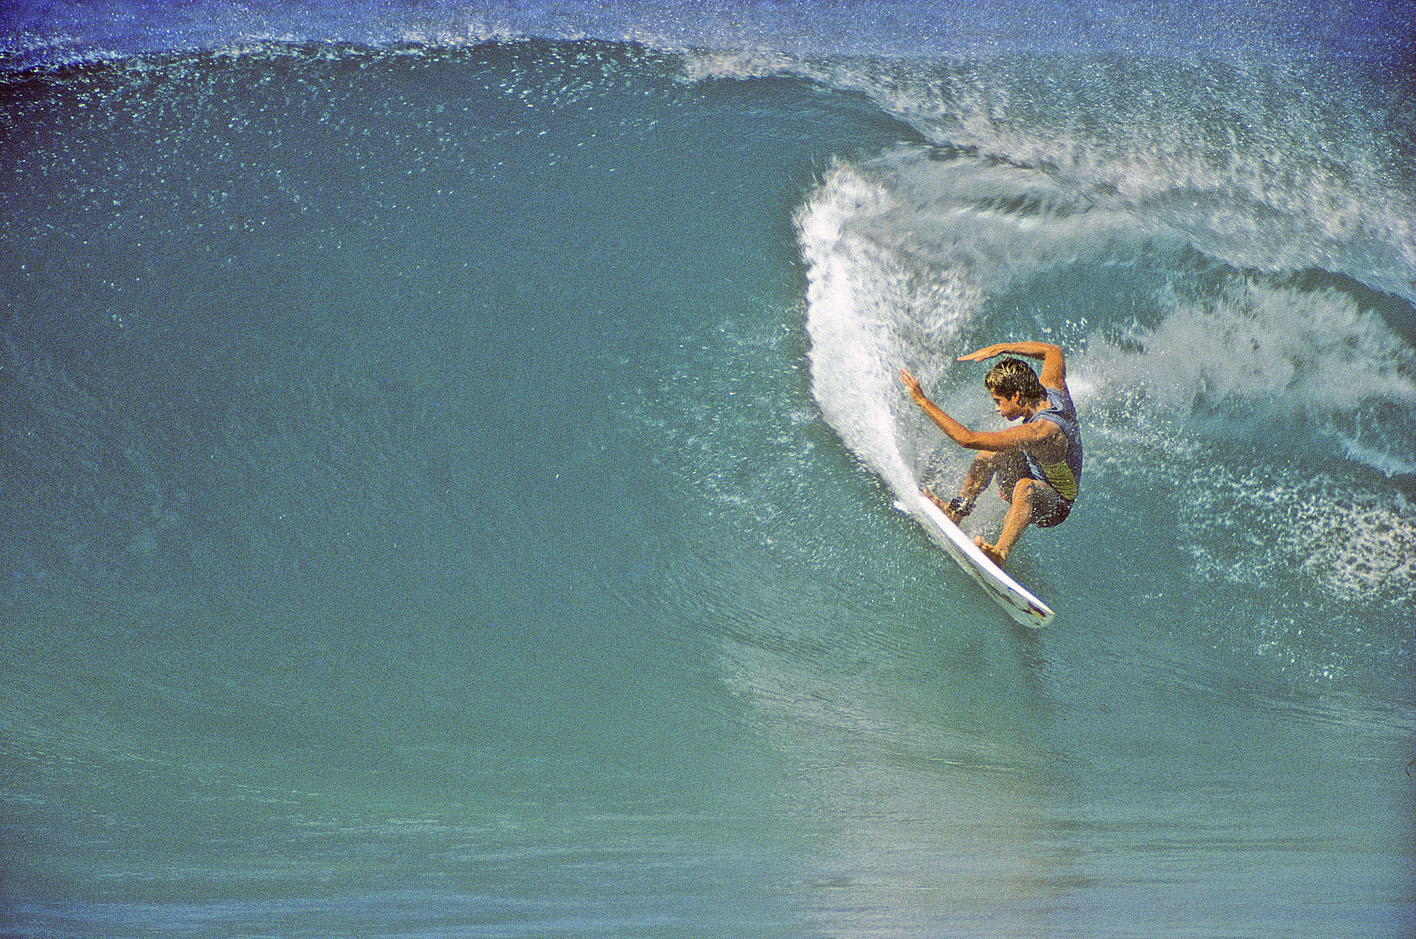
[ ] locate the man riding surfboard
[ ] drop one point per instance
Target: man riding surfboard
(1038, 463)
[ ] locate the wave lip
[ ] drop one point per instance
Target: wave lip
(44, 33)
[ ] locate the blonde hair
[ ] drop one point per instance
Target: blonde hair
(1014, 377)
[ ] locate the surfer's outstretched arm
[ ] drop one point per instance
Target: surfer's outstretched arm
(1011, 439)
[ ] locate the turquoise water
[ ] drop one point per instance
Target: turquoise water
(448, 462)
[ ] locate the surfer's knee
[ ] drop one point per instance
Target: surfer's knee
(1023, 492)
(983, 467)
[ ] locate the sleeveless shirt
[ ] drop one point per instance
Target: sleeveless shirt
(1064, 476)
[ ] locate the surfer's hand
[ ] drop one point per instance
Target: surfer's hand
(987, 352)
(912, 384)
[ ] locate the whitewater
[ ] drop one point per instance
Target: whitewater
(448, 456)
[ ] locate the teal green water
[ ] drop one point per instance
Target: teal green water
(448, 492)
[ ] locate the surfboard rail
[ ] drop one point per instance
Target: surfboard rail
(1015, 599)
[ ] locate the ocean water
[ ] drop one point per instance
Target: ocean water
(447, 456)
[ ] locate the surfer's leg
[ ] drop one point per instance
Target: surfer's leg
(980, 474)
(1034, 502)
(1020, 513)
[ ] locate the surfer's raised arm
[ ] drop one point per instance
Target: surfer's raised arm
(1054, 366)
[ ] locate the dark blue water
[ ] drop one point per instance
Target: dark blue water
(447, 459)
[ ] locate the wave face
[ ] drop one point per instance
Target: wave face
(447, 456)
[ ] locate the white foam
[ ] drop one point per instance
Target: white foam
(738, 64)
(1289, 532)
(1265, 168)
(1259, 348)
(1380, 458)
(873, 308)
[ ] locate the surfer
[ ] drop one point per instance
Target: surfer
(1038, 463)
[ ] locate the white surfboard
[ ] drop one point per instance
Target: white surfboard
(1012, 596)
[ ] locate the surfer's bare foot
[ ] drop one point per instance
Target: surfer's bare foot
(990, 552)
(943, 506)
